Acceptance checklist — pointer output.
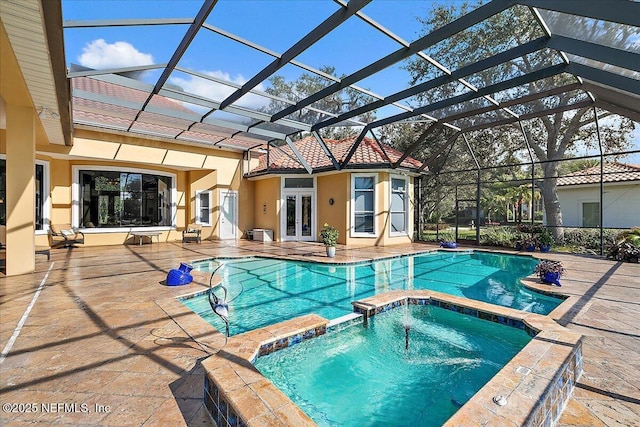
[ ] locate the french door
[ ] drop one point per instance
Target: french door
(298, 216)
(228, 214)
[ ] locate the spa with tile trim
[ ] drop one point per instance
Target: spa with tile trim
(530, 390)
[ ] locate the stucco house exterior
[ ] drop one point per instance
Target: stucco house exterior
(118, 173)
(579, 195)
(370, 202)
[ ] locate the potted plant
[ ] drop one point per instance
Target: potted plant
(519, 241)
(329, 236)
(627, 248)
(550, 271)
(545, 240)
(530, 243)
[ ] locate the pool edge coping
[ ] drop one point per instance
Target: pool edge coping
(549, 364)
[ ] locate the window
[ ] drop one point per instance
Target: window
(203, 207)
(398, 208)
(113, 199)
(591, 214)
(298, 183)
(363, 205)
(41, 194)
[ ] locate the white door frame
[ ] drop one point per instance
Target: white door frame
(298, 192)
(221, 218)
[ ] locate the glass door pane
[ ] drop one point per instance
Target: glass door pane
(306, 215)
(290, 210)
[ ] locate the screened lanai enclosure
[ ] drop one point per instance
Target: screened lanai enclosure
(524, 113)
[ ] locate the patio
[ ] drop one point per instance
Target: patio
(117, 358)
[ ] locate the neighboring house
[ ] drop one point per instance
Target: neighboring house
(579, 195)
(370, 202)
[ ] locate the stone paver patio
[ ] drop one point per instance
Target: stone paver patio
(98, 349)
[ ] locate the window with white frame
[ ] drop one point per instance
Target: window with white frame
(41, 194)
(398, 209)
(124, 198)
(203, 207)
(363, 202)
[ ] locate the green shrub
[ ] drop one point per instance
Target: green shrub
(499, 236)
(434, 226)
(447, 236)
(589, 238)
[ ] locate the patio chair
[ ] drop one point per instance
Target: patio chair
(191, 233)
(65, 235)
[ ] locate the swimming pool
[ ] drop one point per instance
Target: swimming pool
(367, 376)
(264, 291)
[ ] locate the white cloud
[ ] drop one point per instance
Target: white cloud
(100, 55)
(217, 91)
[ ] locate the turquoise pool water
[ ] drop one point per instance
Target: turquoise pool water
(363, 376)
(265, 291)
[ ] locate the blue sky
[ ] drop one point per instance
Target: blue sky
(275, 25)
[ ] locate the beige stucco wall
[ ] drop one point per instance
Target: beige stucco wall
(267, 205)
(336, 187)
(210, 169)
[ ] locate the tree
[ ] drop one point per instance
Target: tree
(308, 84)
(552, 138)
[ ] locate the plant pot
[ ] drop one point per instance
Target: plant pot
(331, 251)
(530, 248)
(185, 268)
(551, 277)
(518, 246)
(545, 248)
(448, 245)
(177, 277)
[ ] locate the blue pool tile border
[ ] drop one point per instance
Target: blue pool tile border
(458, 308)
(291, 340)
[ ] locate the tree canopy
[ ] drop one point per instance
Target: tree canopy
(551, 138)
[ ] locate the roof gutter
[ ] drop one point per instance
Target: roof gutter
(52, 11)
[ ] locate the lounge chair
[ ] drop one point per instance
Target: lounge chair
(191, 233)
(65, 235)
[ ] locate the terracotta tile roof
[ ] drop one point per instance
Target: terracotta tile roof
(103, 114)
(612, 172)
(368, 153)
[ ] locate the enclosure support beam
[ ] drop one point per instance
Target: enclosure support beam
(475, 160)
(620, 11)
(326, 150)
(298, 155)
(478, 15)
(354, 147)
(202, 15)
(595, 115)
(468, 96)
(303, 44)
(439, 151)
(417, 212)
(414, 145)
(533, 175)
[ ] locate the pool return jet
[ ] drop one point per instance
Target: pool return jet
(219, 305)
